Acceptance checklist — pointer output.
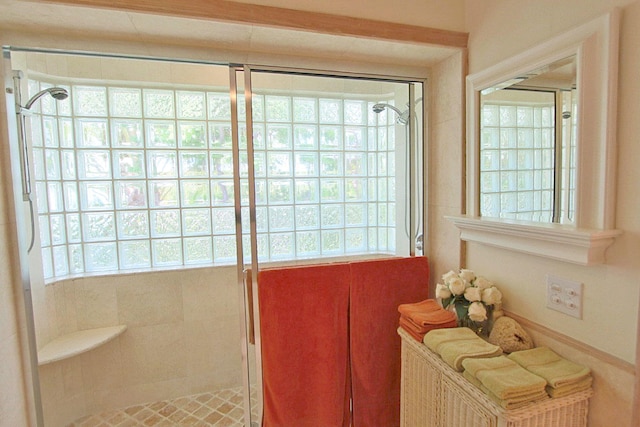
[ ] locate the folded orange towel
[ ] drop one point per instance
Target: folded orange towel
(410, 329)
(425, 314)
(417, 332)
(438, 323)
(422, 306)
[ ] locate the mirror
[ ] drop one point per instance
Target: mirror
(575, 221)
(528, 145)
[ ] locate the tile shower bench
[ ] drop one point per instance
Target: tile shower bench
(75, 343)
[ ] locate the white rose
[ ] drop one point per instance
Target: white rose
(491, 296)
(477, 312)
(442, 291)
(483, 283)
(473, 294)
(467, 275)
(457, 286)
(449, 276)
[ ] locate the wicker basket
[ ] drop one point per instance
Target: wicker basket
(435, 395)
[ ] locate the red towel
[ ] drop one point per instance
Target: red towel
(377, 289)
(305, 348)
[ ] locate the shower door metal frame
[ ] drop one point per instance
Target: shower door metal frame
(16, 153)
(250, 328)
(247, 316)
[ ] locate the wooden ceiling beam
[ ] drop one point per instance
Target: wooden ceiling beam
(230, 11)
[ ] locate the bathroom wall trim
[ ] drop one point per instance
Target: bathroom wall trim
(580, 346)
(230, 11)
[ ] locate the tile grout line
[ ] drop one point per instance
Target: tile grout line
(223, 408)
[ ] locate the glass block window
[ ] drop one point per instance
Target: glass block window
(517, 156)
(141, 177)
(325, 178)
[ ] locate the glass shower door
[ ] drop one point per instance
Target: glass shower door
(331, 168)
(148, 168)
(132, 188)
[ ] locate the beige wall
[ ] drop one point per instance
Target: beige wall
(446, 160)
(499, 29)
(13, 371)
(610, 288)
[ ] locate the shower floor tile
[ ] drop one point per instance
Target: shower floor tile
(222, 408)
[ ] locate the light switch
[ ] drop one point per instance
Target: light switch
(564, 295)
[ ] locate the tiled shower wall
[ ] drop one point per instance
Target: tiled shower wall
(182, 338)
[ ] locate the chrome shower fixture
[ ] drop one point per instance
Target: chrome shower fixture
(403, 116)
(57, 93)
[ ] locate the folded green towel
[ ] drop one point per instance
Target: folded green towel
(513, 403)
(454, 353)
(556, 370)
(456, 344)
(566, 390)
(433, 339)
(504, 378)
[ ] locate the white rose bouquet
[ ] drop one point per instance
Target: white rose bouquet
(472, 298)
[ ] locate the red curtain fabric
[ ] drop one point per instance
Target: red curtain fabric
(304, 336)
(377, 289)
(329, 334)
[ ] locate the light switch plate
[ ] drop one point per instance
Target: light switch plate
(564, 295)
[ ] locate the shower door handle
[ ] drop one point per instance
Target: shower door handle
(248, 282)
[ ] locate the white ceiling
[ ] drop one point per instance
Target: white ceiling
(24, 17)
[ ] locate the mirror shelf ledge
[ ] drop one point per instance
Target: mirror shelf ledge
(557, 241)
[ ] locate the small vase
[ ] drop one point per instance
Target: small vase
(482, 328)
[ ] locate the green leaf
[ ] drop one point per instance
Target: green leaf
(461, 311)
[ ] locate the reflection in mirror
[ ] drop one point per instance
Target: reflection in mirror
(576, 221)
(528, 145)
